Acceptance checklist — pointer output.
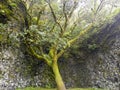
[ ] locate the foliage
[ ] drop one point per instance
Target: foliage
(54, 25)
(92, 47)
(3, 33)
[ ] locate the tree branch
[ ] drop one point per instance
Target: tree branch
(52, 29)
(83, 32)
(65, 15)
(61, 52)
(43, 57)
(74, 7)
(39, 14)
(99, 7)
(54, 17)
(40, 57)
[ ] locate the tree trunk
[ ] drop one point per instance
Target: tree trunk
(58, 78)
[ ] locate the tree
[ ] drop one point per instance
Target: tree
(57, 26)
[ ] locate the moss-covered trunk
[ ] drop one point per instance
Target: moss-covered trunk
(58, 78)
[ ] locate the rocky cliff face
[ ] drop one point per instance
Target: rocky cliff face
(95, 64)
(104, 65)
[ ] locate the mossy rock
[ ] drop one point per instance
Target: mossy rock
(13, 10)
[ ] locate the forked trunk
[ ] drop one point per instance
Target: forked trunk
(58, 78)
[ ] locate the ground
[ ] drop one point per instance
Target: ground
(37, 88)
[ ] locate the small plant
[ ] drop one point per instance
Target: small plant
(3, 33)
(8, 36)
(92, 47)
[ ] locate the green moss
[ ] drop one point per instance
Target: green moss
(5, 10)
(12, 76)
(92, 46)
(118, 53)
(100, 61)
(38, 88)
(3, 33)
(0, 74)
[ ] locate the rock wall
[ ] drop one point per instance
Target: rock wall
(97, 62)
(18, 70)
(83, 67)
(11, 69)
(105, 64)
